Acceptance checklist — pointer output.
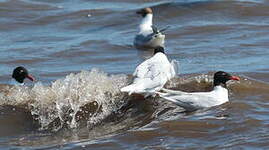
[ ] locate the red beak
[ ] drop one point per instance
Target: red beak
(30, 78)
(235, 78)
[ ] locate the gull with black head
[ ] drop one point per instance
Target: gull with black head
(196, 100)
(20, 73)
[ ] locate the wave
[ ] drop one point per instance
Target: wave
(89, 98)
(203, 82)
(90, 95)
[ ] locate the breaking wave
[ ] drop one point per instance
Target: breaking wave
(89, 98)
(84, 98)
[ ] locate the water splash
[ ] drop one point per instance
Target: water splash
(83, 98)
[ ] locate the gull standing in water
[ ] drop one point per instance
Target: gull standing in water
(152, 74)
(196, 100)
(149, 37)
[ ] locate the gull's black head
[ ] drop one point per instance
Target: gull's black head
(20, 73)
(143, 12)
(222, 77)
(159, 49)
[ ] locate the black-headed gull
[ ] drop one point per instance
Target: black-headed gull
(20, 73)
(152, 74)
(149, 37)
(196, 100)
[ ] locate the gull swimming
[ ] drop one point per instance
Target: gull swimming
(20, 73)
(195, 100)
(149, 37)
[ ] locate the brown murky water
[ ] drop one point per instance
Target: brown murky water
(81, 53)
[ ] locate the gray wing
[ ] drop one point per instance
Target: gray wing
(140, 38)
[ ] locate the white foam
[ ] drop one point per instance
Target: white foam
(64, 98)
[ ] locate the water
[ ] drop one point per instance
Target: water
(81, 53)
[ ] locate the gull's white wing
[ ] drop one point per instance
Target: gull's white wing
(190, 100)
(151, 75)
(152, 66)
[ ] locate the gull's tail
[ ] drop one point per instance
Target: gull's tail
(156, 31)
(129, 89)
(138, 89)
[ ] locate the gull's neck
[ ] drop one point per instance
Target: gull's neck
(146, 23)
(219, 87)
(220, 94)
(221, 91)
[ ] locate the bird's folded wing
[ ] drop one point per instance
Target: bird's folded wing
(148, 69)
(196, 99)
(142, 39)
(187, 105)
(141, 69)
(173, 92)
